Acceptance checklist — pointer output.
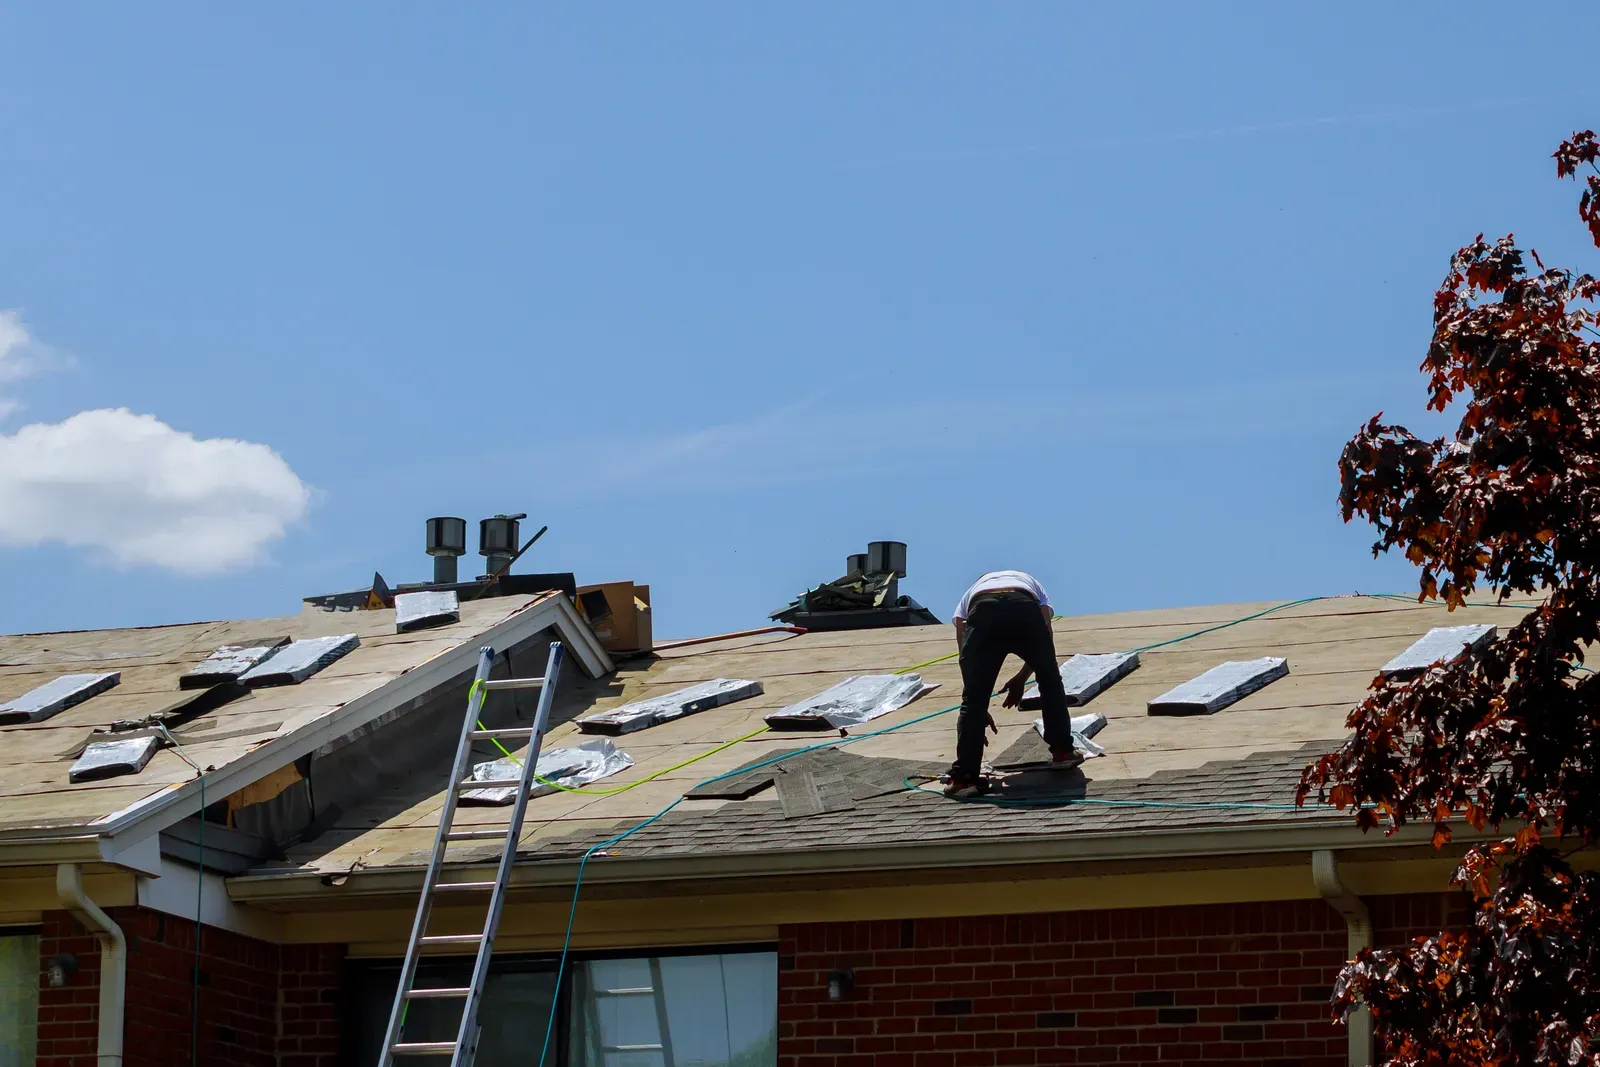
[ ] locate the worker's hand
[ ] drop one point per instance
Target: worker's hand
(993, 728)
(1014, 689)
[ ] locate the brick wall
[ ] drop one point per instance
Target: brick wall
(1239, 984)
(261, 1005)
(68, 1017)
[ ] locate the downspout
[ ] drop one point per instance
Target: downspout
(1358, 921)
(113, 959)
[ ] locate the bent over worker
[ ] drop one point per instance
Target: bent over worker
(1005, 613)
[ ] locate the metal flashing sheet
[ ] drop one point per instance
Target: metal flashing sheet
(299, 660)
(568, 767)
(656, 710)
(1224, 684)
(1442, 643)
(56, 695)
(1084, 727)
(419, 611)
(851, 702)
(228, 663)
(108, 759)
(1085, 677)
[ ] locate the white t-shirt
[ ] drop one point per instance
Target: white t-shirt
(1002, 580)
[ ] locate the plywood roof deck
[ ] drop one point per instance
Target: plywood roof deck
(35, 758)
(1334, 646)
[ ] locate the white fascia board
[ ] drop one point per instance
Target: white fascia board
(142, 856)
(173, 890)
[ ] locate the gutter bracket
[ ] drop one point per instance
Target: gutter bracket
(1358, 922)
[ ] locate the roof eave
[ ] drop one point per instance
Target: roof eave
(1189, 844)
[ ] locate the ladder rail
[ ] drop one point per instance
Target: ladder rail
(463, 760)
(508, 854)
(658, 994)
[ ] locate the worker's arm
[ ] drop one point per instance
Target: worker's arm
(961, 631)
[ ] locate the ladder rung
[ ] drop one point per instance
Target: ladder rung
(478, 886)
(513, 683)
(451, 939)
(510, 731)
(492, 783)
(639, 991)
(423, 1048)
(437, 994)
(475, 835)
(630, 1048)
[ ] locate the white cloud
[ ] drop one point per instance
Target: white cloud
(22, 356)
(142, 493)
(15, 343)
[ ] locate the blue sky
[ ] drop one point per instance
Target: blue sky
(722, 292)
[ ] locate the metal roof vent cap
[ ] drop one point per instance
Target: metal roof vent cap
(447, 539)
(886, 557)
(497, 541)
(855, 565)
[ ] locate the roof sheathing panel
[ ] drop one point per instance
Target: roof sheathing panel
(1334, 645)
(35, 759)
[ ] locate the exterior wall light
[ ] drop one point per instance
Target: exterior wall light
(60, 969)
(840, 983)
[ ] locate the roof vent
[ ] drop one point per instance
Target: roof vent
(498, 539)
(867, 597)
(446, 542)
(447, 539)
(886, 557)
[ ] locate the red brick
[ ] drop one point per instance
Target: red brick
(1213, 958)
(239, 1021)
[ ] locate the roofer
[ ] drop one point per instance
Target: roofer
(1005, 613)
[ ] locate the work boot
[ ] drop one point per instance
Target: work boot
(1065, 759)
(966, 788)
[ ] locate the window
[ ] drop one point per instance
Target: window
(19, 998)
(516, 1007)
(709, 1010)
(676, 1011)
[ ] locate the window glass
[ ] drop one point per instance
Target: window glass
(516, 1007)
(19, 999)
(676, 1011)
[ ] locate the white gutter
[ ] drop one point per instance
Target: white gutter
(113, 959)
(1325, 872)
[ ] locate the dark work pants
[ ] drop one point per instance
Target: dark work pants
(1009, 624)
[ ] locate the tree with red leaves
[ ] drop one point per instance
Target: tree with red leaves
(1507, 737)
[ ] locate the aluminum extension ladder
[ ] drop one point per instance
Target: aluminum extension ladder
(662, 1045)
(465, 1045)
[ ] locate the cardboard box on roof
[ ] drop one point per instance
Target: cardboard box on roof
(628, 627)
